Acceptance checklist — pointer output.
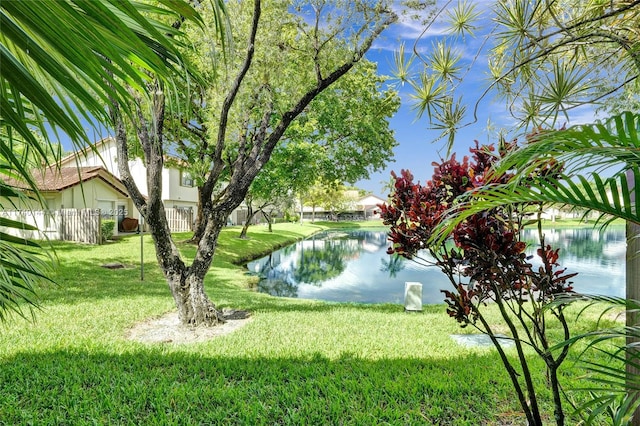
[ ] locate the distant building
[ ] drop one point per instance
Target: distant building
(360, 208)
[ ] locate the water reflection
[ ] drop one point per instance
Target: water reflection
(599, 258)
(354, 266)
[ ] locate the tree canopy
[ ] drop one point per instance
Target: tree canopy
(262, 95)
(349, 116)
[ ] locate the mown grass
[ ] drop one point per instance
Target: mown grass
(578, 223)
(297, 362)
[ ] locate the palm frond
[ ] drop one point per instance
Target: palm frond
(462, 17)
(611, 143)
(614, 391)
(23, 267)
(614, 144)
(610, 197)
(62, 61)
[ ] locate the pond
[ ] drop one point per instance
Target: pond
(353, 266)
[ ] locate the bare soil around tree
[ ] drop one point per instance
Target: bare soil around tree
(168, 329)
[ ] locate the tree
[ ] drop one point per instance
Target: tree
(287, 173)
(316, 196)
(484, 259)
(330, 195)
(244, 140)
(350, 116)
(545, 59)
(550, 58)
(585, 151)
(58, 63)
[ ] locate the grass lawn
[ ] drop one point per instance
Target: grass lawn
(297, 362)
(577, 223)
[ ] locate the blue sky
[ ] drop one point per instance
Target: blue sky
(418, 146)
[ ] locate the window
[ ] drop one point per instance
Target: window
(186, 179)
(106, 209)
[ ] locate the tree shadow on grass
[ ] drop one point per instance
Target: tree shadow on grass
(81, 277)
(86, 280)
(152, 386)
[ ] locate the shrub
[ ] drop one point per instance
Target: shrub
(106, 229)
(291, 217)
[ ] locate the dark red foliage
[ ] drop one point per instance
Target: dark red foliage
(488, 250)
(460, 304)
(553, 279)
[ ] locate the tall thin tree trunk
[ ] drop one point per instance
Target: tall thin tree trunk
(267, 217)
(301, 211)
(247, 222)
(201, 221)
(633, 293)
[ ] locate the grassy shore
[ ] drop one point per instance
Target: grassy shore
(577, 223)
(297, 362)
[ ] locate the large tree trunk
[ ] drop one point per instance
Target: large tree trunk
(187, 283)
(194, 307)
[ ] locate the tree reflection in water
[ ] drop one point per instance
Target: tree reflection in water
(317, 260)
(393, 265)
(353, 266)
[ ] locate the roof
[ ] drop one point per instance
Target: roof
(59, 179)
(371, 201)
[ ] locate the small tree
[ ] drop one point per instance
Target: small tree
(326, 48)
(486, 263)
(286, 174)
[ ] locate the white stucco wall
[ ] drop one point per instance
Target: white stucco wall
(103, 155)
(177, 193)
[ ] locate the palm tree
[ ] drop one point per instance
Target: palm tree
(62, 62)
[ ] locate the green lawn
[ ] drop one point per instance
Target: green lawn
(577, 223)
(297, 362)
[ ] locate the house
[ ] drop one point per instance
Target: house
(84, 187)
(369, 206)
(71, 188)
(179, 191)
(357, 208)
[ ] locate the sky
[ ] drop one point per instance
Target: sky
(418, 146)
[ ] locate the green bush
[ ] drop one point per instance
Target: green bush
(291, 217)
(106, 229)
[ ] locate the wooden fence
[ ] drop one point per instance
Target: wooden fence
(180, 219)
(80, 225)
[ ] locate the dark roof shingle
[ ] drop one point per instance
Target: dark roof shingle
(58, 179)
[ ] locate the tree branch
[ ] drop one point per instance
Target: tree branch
(228, 102)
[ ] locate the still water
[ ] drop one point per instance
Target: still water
(353, 266)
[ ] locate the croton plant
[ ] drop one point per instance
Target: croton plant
(486, 260)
